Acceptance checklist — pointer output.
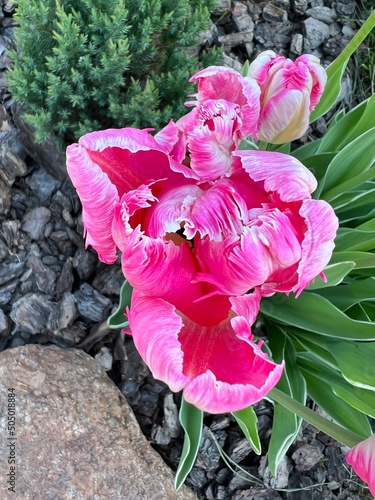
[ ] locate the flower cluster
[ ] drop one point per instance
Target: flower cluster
(207, 229)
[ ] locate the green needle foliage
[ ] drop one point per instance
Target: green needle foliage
(84, 65)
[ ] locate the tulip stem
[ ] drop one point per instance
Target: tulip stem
(333, 430)
(262, 145)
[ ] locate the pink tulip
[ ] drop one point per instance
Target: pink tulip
(194, 243)
(289, 92)
(362, 458)
(226, 111)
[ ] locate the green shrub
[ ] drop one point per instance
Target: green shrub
(83, 65)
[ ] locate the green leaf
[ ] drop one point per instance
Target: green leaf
(320, 387)
(363, 260)
(247, 420)
(117, 319)
(353, 124)
(351, 166)
(351, 200)
(360, 399)
(315, 344)
(334, 274)
(191, 419)
(336, 70)
(286, 424)
(347, 295)
(356, 362)
(314, 313)
(355, 239)
(307, 150)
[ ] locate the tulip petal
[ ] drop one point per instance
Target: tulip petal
(218, 82)
(319, 76)
(318, 244)
(130, 157)
(218, 212)
(362, 458)
(284, 116)
(98, 197)
(219, 369)
(281, 173)
(236, 264)
(155, 325)
(155, 267)
(103, 166)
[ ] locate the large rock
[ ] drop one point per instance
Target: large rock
(75, 436)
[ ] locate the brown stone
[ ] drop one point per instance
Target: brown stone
(75, 436)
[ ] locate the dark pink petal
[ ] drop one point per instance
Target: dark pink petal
(318, 244)
(217, 82)
(362, 458)
(220, 369)
(130, 157)
(280, 173)
(171, 141)
(155, 267)
(246, 307)
(105, 165)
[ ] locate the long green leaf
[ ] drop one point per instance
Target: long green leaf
(355, 239)
(347, 295)
(336, 69)
(334, 274)
(320, 389)
(352, 162)
(363, 260)
(191, 419)
(356, 362)
(353, 124)
(247, 420)
(117, 319)
(360, 399)
(286, 424)
(314, 313)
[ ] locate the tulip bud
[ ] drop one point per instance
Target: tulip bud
(289, 92)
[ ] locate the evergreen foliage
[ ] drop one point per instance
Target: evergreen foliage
(85, 65)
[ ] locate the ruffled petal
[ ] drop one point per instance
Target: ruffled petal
(218, 212)
(218, 82)
(155, 267)
(166, 215)
(318, 244)
(362, 458)
(155, 326)
(98, 197)
(247, 308)
(236, 264)
(227, 370)
(171, 141)
(219, 369)
(280, 173)
(105, 165)
(130, 157)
